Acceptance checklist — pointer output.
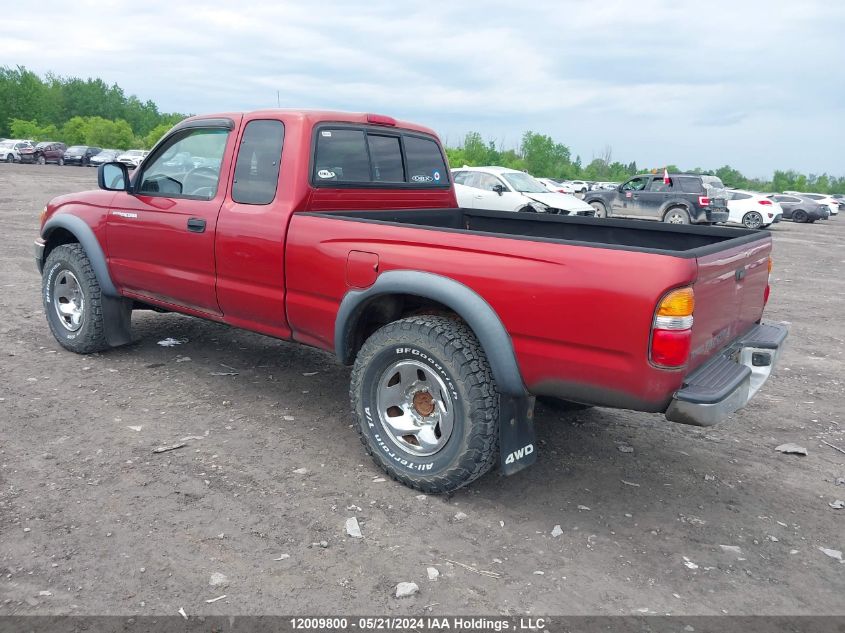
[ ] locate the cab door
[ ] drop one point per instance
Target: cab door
(161, 234)
(492, 194)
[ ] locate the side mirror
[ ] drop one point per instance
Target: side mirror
(500, 189)
(113, 177)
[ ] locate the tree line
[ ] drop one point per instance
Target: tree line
(77, 111)
(542, 156)
(91, 112)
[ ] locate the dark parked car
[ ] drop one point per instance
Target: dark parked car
(684, 199)
(801, 209)
(44, 152)
(80, 154)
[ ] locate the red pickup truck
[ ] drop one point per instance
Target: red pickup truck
(342, 231)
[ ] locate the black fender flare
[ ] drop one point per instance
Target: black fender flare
(464, 301)
(85, 236)
(683, 204)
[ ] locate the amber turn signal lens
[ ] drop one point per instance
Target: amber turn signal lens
(771, 265)
(678, 303)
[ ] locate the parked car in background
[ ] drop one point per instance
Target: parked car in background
(752, 210)
(104, 156)
(44, 152)
(684, 199)
(800, 209)
(822, 198)
(10, 149)
(503, 189)
(556, 186)
(80, 154)
(132, 158)
(579, 186)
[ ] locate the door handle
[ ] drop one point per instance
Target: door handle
(196, 225)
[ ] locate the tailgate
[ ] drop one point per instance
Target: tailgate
(729, 296)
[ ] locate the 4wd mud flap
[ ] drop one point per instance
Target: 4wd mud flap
(517, 444)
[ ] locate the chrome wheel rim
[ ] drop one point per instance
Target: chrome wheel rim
(68, 300)
(414, 408)
(753, 220)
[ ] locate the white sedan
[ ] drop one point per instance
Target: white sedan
(556, 187)
(132, 158)
(752, 210)
(503, 189)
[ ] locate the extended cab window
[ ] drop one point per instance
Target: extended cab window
(187, 166)
(259, 159)
(425, 162)
(376, 158)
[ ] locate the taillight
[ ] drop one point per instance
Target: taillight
(671, 333)
(765, 202)
(703, 201)
(768, 288)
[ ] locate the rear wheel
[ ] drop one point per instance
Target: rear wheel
(676, 215)
(601, 210)
(426, 403)
(799, 215)
(752, 220)
(61, 162)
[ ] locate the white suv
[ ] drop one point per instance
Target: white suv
(10, 150)
(503, 189)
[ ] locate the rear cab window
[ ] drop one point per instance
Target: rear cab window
(375, 157)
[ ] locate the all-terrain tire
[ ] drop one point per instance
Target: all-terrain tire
(450, 352)
(676, 215)
(88, 335)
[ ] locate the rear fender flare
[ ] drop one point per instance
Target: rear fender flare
(464, 301)
(85, 236)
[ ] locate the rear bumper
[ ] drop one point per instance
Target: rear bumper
(728, 381)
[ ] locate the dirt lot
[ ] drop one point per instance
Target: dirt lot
(89, 514)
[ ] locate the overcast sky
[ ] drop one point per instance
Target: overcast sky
(755, 84)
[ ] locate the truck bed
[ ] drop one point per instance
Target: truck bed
(688, 241)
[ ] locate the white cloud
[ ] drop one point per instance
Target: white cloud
(660, 80)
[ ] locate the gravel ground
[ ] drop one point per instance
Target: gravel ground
(93, 522)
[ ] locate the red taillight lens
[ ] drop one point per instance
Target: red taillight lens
(765, 202)
(766, 294)
(703, 201)
(670, 348)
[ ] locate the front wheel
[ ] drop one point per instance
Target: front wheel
(676, 215)
(752, 220)
(73, 301)
(426, 403)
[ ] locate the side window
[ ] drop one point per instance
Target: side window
(690, 184)
(342, 157)
(657, 184)
(386, 158)
(635, 184)
(425, 162)
(188, 165)
(460, 177)
(259, 159)
(487, 182)
(736, 195)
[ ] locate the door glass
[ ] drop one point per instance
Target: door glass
(425, 162)
(187, 167)
(386, 157)
(341, 156)
(659, 185)
(259, 160)
(487, 182)
(635, 184)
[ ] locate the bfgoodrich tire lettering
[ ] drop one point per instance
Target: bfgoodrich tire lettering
(70, 262)
(448, 349)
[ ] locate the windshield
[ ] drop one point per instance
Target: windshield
(524, 183)
(76, 149)
(7, 145)
(134, 152)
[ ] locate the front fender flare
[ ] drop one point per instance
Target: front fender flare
(83, 233)
(467, 303)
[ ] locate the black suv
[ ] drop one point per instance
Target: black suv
(678, 199)
(80, 154)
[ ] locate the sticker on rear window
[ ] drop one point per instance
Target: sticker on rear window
(437, 175)
(421, 178)
(326, 133)
(325, 173)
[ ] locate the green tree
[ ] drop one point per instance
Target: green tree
(33, 130)
(156, 133)
(542, 156)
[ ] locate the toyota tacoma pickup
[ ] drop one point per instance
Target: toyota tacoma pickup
(341, 231)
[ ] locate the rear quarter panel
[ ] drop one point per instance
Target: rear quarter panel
(579, 316)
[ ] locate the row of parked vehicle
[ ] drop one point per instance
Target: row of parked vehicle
(677, 198)
(25, 151)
